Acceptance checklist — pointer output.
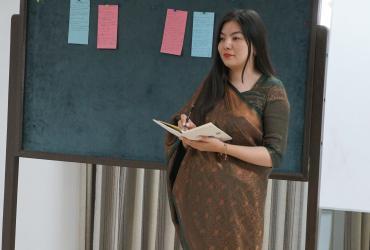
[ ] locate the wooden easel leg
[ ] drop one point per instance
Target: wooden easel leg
(13, 141)
(315, 145)
(10, 202)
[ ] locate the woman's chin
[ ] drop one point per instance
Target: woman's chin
(230, 66)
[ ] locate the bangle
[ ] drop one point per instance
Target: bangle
(225, 151)
(223, 155)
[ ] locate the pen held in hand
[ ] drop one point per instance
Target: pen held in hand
(188, 117)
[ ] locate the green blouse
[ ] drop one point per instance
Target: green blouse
(269, 99)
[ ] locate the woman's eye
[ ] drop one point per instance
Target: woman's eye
(236, 38)
(221, 38)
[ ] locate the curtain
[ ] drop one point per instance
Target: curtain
(130, 211)
(349, 230)
(357, 231)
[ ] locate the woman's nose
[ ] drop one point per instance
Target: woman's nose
(227, 43)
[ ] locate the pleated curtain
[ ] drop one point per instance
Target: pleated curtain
(127, 209)
(349, 230)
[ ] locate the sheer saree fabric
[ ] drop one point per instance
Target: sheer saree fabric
(217, 203)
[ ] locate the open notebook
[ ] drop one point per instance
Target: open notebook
(208, 129)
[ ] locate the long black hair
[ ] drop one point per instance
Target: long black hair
(213, 89)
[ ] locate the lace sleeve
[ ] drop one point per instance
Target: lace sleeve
(275, 123)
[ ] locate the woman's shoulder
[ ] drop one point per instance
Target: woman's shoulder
(272, 81)
(274, 88)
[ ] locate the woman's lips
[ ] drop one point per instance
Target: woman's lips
(226, 55)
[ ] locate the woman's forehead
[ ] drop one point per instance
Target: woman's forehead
(231, 27)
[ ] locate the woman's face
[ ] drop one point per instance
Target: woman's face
(233, 47)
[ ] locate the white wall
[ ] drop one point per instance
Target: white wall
(48, 192)
(48, 205)
(345, 170)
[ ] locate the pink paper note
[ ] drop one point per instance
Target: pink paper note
(174, 31)
(107, 26)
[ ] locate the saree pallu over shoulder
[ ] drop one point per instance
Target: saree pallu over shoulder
(240, 116)
(215, 203)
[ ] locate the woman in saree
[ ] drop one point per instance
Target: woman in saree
(217, 190)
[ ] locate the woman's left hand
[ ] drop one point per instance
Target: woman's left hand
(207, 144)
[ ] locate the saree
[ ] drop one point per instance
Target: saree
(217, 203)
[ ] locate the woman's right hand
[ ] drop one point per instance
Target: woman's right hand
(183, 125)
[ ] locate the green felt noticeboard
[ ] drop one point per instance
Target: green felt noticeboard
(79, 100)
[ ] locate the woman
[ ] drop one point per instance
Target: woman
(217, 190)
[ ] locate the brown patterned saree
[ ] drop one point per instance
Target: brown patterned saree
(217, 203)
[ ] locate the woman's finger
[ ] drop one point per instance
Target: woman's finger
(190, 124)
(185, 140)
(181, 122)
(183, 119)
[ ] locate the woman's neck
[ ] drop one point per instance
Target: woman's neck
(250, 76)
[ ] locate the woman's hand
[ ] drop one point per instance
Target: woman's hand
(183, 125)
(207, 144)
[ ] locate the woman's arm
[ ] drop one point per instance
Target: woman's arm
(257, 155)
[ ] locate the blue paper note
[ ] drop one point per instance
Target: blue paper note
(201, 44)
(79, 16)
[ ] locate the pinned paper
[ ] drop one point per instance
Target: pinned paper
(174, 31)
(79, 16)
(201, 44)
(107, 26)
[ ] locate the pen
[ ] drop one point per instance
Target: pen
(188, 116)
